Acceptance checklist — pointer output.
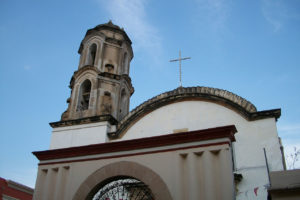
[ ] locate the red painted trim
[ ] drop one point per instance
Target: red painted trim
(136, 154)
(142, 143)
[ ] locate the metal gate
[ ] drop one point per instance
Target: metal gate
(124, 189)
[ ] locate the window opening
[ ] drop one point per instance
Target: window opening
(93, 50)
(84, 98)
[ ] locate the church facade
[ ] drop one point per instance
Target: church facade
(189, 143)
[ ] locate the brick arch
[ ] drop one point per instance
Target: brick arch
(125, 168)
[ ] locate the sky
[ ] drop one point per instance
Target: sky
(251, 48)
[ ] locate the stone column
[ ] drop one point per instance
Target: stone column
(61, 182)
(199, 175)
(209, 186)
(227, 178)
(40, 183)
(50, 182)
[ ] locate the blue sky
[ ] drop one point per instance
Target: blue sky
(251, 48)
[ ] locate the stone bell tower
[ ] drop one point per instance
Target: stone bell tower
(100, 88)
(101, 85)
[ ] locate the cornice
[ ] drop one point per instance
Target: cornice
(142, 143)
(85, 120)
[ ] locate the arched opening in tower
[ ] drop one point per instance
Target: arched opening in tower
(84, 95)
(92, 54)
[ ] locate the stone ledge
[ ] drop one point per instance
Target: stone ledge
(119, 77)
(85, 120)
(110, 75)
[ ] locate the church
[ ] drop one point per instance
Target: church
(191, 143)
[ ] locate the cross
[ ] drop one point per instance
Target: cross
(180, 59)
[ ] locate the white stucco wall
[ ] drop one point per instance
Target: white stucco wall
(251, 138)
(79, 135)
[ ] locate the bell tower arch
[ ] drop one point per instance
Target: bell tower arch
(101, 85)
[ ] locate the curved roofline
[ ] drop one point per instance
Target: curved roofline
(219, 96)
(107, 26)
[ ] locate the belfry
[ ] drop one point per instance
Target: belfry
(101, 85)
(191, 143)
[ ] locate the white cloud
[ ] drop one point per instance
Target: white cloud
(290, 134)
(131, 15)
(278, 12)
(290, 128)
(273, 11)
(27, 67)
(214, 12)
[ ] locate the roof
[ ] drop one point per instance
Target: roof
(16, 186)
(223, 97)
(107, 26)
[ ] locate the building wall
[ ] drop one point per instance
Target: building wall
(285, 185)
(79, 135)
(251, 138)
(194, 173)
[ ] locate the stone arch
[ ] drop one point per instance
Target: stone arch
(125, 168)
(85, 58)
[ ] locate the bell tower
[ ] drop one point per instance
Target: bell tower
(100, 88)
(101, 85)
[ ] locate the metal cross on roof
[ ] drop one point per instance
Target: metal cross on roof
(180, 59)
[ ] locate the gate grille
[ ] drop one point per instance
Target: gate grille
(124, 189)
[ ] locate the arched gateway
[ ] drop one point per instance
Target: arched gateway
(124, 188)
(145, 184)
(179, 145)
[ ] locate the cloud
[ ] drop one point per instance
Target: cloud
(291, 140)
(131, 14)
(27, 67)
(214, 12)
(273, 11)
(289, 132)
(278, 12)
(289, 128)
